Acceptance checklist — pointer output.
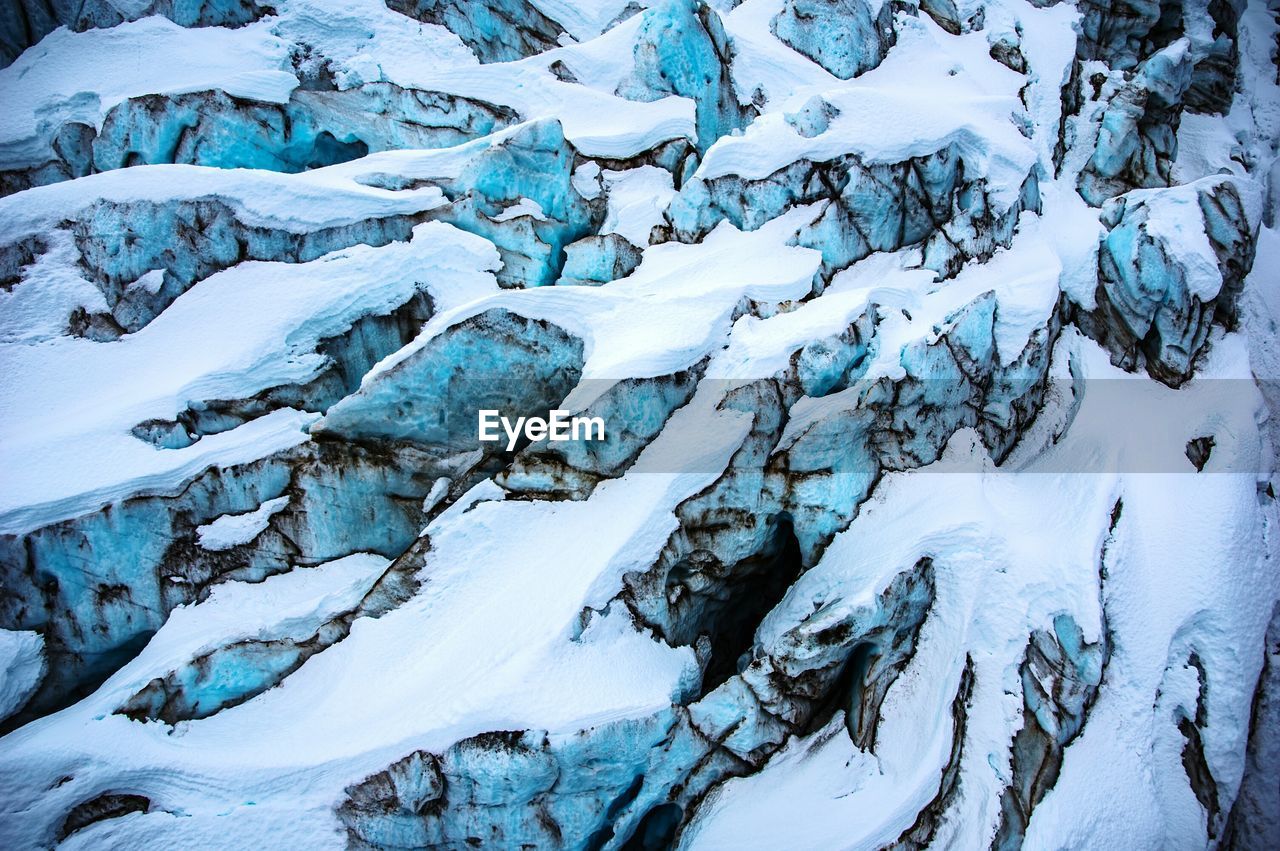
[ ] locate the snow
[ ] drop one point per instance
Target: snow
(1175, 218)
(232, 530)
(80, 76)
(689, 291)
(911, 105)
(523, 207)
(1013, 549)
(1073, 229)
(22, 666)
(582, 18)
(1205, 146)
(111, 465)
(344, 709)
(637, 199)
(66, 418)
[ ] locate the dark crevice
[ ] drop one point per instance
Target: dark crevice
(864, 678)
(105, 806)
(1072, 101)
(726, 617)
(854, 688)
(602, 836)
(848, 688)
(657, 829)
(1194, 761)
(1251, 825)
(93, 669)
(1198, 773)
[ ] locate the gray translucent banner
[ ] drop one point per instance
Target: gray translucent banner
(680, 424)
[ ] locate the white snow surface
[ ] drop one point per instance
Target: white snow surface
(22, 666)
(67, 445)
(637, 199)
(232, 530)
(911, 105)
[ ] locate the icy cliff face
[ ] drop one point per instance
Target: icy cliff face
(936, 347)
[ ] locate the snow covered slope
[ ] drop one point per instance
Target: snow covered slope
(937, 344)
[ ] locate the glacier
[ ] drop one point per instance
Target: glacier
(937, 344)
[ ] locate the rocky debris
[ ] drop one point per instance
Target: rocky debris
(562, 72)
(16, 256)
(1198, 451)
(946, 14)
(1159, 295)
(1006, 48)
